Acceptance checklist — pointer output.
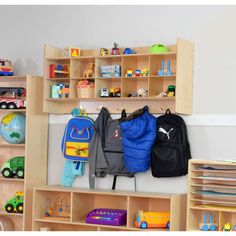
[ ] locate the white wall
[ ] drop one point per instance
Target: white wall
(211, 28)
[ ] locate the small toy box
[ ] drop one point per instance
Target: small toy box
(104, 216)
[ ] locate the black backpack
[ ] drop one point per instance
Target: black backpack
(171, 152)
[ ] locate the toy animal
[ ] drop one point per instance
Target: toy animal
(142, 92)
(89, 72)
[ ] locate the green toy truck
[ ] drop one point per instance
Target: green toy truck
(14, 167)
(16, 203)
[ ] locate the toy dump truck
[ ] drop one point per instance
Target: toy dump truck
(15, 204)
(14, 167)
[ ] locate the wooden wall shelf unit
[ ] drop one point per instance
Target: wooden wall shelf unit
(211, 189)
(82, 201)
(34, 149)
(181, 58)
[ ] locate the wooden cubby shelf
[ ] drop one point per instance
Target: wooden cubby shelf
(34, 149)
(81, 201)
(181, 62)
(211, 189)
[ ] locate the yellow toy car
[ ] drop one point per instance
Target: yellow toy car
(146, 220)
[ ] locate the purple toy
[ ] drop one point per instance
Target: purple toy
(104, 216)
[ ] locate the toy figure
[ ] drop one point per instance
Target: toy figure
(171, 91)
(115, 50)
(6, 68)
(144, 72)
(137, 73)
(103, 52)
(89, 72)
(115, 92)
(129, 73)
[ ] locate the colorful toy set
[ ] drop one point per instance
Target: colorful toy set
(60, 90)
(162, 71)
(106, 216)
(208, 226)
(71, 52)
(170, 92)
(12, 98)
(85, 89)
(111, 71)
(136, 73)
(14, 167)
(146, 220)
(15, 204)
(59, 71)
(58, 208)
(6, 68)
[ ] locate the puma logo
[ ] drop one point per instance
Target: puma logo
(165, 132)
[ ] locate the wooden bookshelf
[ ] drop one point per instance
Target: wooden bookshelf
(181, 58)
(34, 149)
(83, 200)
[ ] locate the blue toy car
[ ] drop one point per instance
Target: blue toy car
(129, 51)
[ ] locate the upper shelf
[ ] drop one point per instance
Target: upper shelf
(179, 57)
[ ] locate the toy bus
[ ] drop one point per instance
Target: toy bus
(152, 220)
(6, 68)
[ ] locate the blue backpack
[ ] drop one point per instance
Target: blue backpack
(75, 142)
(77, 136)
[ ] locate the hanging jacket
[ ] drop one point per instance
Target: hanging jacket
(138, 136)
(105, 149)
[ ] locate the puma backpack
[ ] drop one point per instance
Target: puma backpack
(171, 151)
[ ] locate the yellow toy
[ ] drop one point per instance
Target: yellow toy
(144, 72)
(71, 52)
(227, 227)
(146, 220)
(89, 72)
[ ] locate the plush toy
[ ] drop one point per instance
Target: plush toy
(142, 92)
(89, 72)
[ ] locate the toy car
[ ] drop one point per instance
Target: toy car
(12, 98)
(104, 92)
(14, 166)
(129, 51)
(5, 68)
(15, 204)
(115, 92)
(146, 220)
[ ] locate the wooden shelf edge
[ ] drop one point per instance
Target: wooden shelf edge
(11, 179)
(10, 214)
(11, 145)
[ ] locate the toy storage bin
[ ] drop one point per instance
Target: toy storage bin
(85, 91)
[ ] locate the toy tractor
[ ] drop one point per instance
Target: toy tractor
(14, 166)
(15, 204)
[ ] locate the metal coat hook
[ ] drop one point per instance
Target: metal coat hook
(99, 108)
(120, 108)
